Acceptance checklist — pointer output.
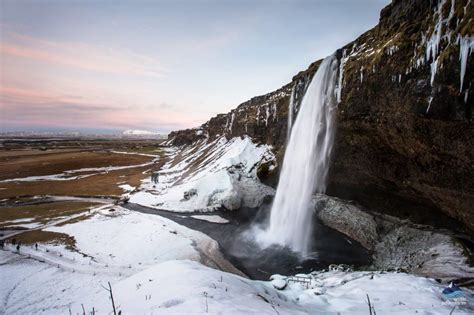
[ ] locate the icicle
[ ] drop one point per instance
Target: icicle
(434, 69)
(267, 114)
(466, 94)
(361, 74)
(290, 112)
(227, 123)
(341, 71)
(257, 118)
(246, 122)
(430, 99)
(432, 46)
(231, 121)
(466, 45)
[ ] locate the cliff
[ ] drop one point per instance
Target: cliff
(404, 140)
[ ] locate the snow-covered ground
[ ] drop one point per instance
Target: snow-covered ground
(157, 266)
(185, 287)
(112, 244)
(209, 175)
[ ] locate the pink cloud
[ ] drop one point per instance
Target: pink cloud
(29, 106)
(40, 86)
(82, 56)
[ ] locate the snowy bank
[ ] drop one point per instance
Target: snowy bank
(208, 175)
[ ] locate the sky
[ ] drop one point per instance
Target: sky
(105, 66)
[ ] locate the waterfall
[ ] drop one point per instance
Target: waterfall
(306, 162)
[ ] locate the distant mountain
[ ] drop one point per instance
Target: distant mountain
(135, 133)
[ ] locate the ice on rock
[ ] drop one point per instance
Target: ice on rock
(466, 46)
(290, 112)
(279, 284)
(340, 78)
(432, 46)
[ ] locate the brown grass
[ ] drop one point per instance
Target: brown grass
(39, 236)
(42, 213)
(24, 165)
(96, 185)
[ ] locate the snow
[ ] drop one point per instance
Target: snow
(110, 246)
(208, 176)
(183, 287)
(123, 237)
(59, 177)
(154, 265)
(32, 287)
(210, 218)
(127, 187)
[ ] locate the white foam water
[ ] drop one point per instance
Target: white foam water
(306, 162)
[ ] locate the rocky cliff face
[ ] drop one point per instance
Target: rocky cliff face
(405, 135)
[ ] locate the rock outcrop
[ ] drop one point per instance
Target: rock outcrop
(405, 130)
(397, 244)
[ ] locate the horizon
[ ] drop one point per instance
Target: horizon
(98, 67)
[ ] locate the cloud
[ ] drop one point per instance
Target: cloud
(81, 56)
(20, 106)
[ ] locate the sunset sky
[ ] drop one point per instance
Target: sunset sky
(105, 66)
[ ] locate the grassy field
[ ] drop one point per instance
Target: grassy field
(39, 159)
(57, 162)
(19, 159)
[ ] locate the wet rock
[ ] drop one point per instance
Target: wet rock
(189, 194)
(348, 219)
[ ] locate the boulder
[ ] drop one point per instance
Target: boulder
(347, 218)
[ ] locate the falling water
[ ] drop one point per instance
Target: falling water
(306, 162)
